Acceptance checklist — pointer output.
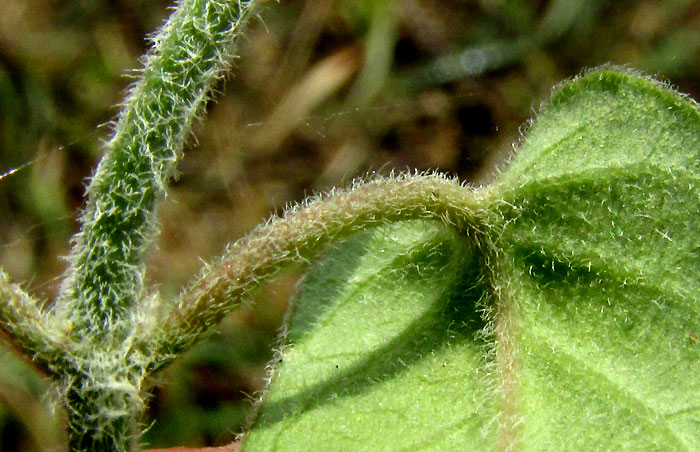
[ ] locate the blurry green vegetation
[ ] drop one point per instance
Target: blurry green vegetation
(324, 91)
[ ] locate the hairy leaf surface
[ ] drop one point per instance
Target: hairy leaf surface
(386, 330)
(576, 328)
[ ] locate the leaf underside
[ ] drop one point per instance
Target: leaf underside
(578, 331)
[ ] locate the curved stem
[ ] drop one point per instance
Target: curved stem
(301, 233)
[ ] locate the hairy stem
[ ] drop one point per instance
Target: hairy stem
(105, 405)
(301, 233)
(102, 373)
(23, 325)
(190, 53)
(85, 432)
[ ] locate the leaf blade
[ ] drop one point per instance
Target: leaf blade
(602, 269)
(358, 379)
(595, 273)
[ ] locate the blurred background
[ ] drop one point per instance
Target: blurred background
(324, 91)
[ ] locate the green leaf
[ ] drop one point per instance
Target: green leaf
(601, 263)
(384, 345)
(576, 328)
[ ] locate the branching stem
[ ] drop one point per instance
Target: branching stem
(98, 342)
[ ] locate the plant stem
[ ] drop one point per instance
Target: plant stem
(191, 52)
(87, 434)
(23, 325)
(102, 371)
(305, 230)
